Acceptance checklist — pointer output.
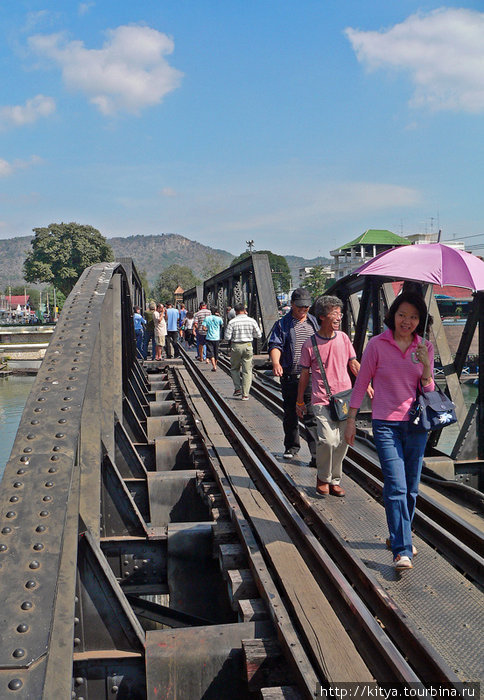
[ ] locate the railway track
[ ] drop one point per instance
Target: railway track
(394, 649)
(458, 540)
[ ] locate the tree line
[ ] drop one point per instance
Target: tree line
(61, 252)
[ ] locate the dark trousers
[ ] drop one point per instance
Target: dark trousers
(289, 385)
(148, 335)
(171, 340)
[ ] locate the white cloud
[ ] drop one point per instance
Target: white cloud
(84, 8)
(7, 169)
(19, 115)
(328, 202)
(168, 192)
(443, 51)
(128, 73)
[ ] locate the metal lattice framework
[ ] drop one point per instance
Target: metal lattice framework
(249, 282)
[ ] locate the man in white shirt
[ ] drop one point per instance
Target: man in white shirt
(241, 331)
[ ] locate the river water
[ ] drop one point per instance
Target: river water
(14, 391)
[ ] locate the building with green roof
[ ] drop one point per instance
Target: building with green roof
(372, 242)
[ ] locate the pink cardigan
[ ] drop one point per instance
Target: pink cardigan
(395, 377)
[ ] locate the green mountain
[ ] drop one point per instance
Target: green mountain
(151, 254)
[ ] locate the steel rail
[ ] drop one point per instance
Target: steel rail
(306, 525)
(458, 540)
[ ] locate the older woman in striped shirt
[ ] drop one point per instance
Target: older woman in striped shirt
(396, 361)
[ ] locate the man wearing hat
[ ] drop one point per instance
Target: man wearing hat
(285, 343)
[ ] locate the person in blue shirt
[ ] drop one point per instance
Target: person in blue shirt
(182, 314)
(139, 322)
(171, 318)
(213, 324)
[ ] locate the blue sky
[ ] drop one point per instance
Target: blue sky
(297, 124)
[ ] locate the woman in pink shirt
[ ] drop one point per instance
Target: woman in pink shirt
(395, 362)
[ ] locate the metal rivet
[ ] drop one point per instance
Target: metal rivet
(47, 499)
(77, 641)
(26, 605)
(11, 514)
(40, 528)
(22, 628)
(6, 531)
(18, 653)
(25, 460)
(44, 513)
(30, 436)
(52, 470)
(56, 448)
(22, 471)
(65, 408)
(41, 398)
(54, 458)
(13, 499)
(34, 422)
(15, 684)
(27, 449)
(38, 410)
(3, 547)
(34, 564)
(79, 681)
(38, 546)
(49, 484)
(18, 485)
(30, 584)
(59, 435)
(62, 421)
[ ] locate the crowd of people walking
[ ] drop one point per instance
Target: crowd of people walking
(314, 361)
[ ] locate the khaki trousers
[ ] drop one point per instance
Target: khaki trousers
(331, 447)
(241, 366)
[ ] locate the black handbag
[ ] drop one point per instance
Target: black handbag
(432, 410)
(339, 404)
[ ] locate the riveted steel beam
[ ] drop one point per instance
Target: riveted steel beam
(52, 483)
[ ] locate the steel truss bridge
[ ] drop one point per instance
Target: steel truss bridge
(83, 538)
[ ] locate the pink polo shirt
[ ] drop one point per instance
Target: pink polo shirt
(395, 377)
(335, 353)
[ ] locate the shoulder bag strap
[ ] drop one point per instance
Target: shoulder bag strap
(314, 343)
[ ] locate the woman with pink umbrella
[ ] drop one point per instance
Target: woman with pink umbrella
(396, 361)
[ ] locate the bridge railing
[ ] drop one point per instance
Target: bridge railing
(50, 494)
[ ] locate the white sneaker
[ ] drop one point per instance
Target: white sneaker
(245, 398)
(389, 546)
(402, 562)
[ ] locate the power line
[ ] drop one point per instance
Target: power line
(463, 238)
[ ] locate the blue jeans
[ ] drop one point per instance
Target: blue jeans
(139, 339)
(400, 449)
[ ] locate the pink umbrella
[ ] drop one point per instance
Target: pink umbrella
(435, 263)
